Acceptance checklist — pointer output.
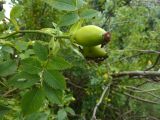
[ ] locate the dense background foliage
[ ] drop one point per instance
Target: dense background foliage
(44, 76)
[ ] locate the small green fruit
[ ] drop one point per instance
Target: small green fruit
(91, 35)
(94, 52)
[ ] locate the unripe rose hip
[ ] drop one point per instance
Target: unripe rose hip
(94, 52)
(91, 35)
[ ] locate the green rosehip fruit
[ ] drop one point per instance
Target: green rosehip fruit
(91, 35)
(94, 52)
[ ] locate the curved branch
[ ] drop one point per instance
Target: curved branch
(140, 99)
(156, 62)
(99, 102)
(138, 90)
(136, 97)
(137, 73)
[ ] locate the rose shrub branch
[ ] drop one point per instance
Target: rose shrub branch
(137, 73)
(33, 31)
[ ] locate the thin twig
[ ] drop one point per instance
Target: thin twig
(137, 73)
(99, 102)
(157, 60)
(137, 90)
(8, 92)
(147, 117)
(141, 84)
(138, 50)
(75, 85)
(150, 90)
(3, 84)
(128, 57)
(139, 99)
(125, 114)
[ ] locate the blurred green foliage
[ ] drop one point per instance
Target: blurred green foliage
(44, 76)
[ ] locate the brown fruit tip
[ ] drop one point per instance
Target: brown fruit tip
(107, 37)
